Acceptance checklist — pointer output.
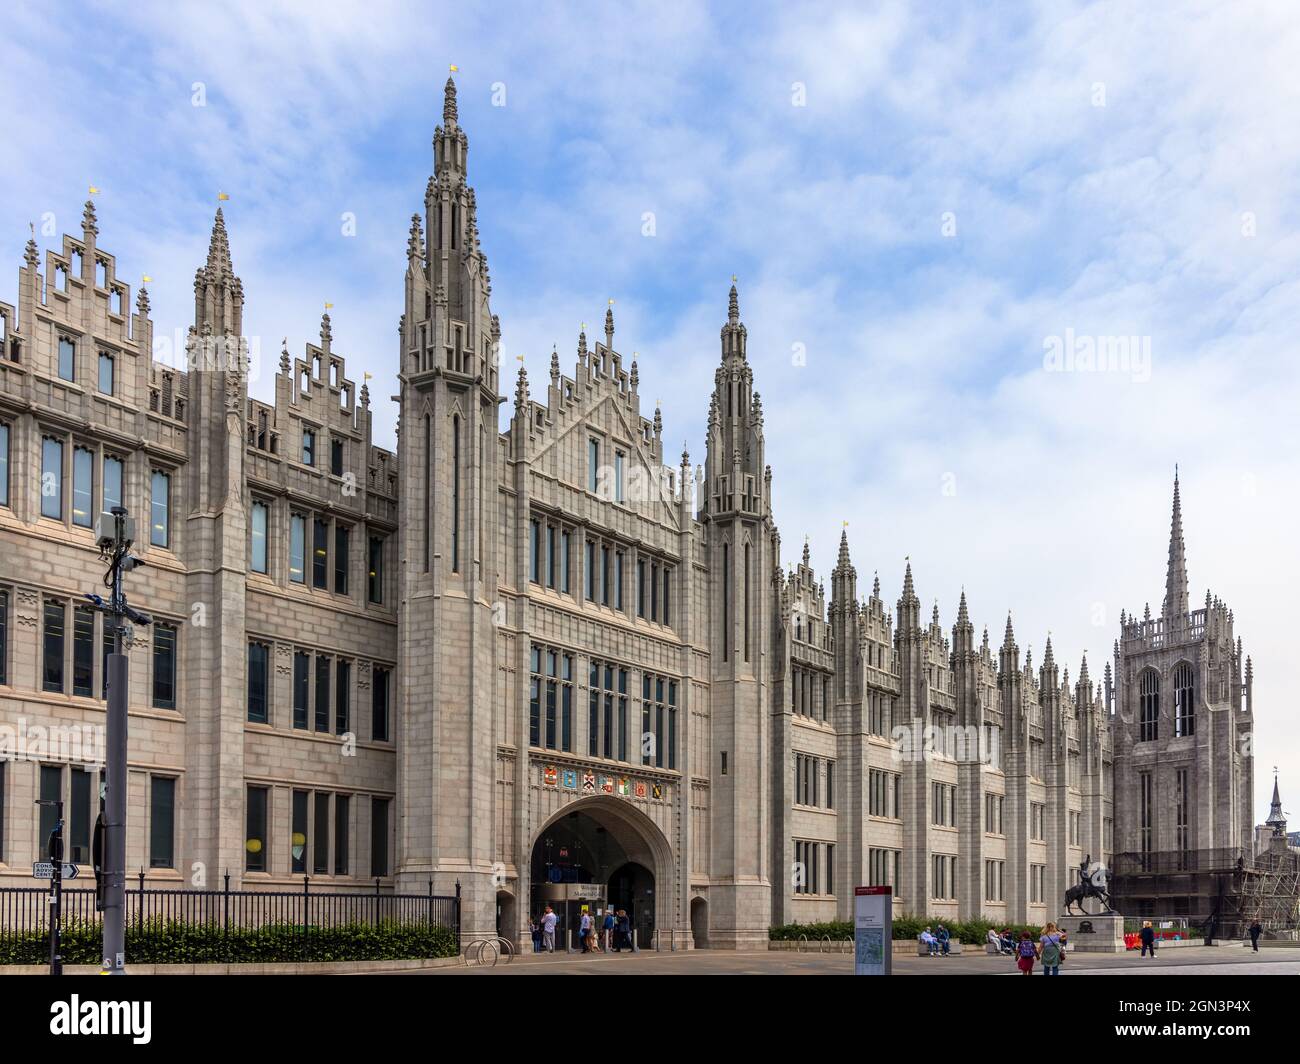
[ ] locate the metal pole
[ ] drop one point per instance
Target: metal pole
(56, 892)
(115, 809)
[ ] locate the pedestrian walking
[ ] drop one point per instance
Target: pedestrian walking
(1026, 952)
(1148, 937)
(1049, 950)
(623, 936)
(584, 927)
(1255, 931)
(548, 929)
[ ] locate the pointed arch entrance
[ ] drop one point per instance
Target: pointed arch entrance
(601, 853)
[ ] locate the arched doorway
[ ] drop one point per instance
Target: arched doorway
(700, 922)
(600, 854)
(507, 921)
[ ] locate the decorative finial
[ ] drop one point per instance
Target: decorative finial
(284, 355)
(88, 218)
(733, 304)
(449, 104)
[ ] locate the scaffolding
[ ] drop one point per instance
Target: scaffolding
(1268, 891)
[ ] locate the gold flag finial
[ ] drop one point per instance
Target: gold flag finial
(454, 68)
(222, 196)
(93, 190)
(145, 279)
(329, 306)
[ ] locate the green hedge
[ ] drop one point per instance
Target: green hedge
(906, 926)
(177, 943)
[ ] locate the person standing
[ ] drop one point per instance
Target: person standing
(1049, 950)
(1255, 931)
(607, 926)
(548, 929)
(1026, 953)
(624, 932)
(1148, 938)
(584, 928)
(536, 928)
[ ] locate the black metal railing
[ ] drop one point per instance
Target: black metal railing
(294, 923)
(1172, 862)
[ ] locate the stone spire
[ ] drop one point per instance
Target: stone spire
(733, 307)
(963, 614)
(555, 367)
(1276, 818)
(32, 254)
(634, 379)
(909, 590)
(219, 264)
(415, 242)
(521, 386)
(284, 356)
(1009, 640)
(582, 344)
(843, 560)
(1048, 659)
(1083, 671)
(142, 302)
(807, 558)
(875, 585)
(449, 104)
(88, 220)
(1176, 581)
(609, 326)
(326, 333)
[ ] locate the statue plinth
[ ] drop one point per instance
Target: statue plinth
(1103, 933)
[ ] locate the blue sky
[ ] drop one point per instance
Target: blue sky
(916, 197)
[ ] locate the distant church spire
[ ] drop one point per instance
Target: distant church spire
(1176, 581)
(1276, 818)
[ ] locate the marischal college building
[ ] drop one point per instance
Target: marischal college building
(537, 663)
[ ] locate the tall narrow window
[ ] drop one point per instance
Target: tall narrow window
(455, 494)
(342, 556)
(640, 587)
(258, 523)
(428, 481)
(255, 830)
(67, 358)
(618, 476)
(336, 456)
(159, 510)
(1184, 707)
(551, 707)
(298, 840)
(746, 606)
(297, 548)
(164, 666)
(322, 693)
(672, 724)
(618, 580)
(534, 550)
(375, 575)
(320, 845)
(79, 816)
(341, 835)
(301, 684)
(4, 464)
(589, 571)
(604, 575)
(726, 596)
(535, 698)
(379, 836)
(342, 697)
(51, 792)
(308, 447)
(52, 650)
(566, 702)
(1146, 811)
(320, 554)
(83, 651)
(668, 583)
(550, 556)
(1149, 707)
(52, 478)
(564, 562)
(593, 712)
(593, 465)
(258, 668)
(379, 704)
(112, 483)
(162, 822)
(622, 714)
(83, 486)
(4, 675)
(106, 373)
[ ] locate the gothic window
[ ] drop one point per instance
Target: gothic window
(1149, 707)
(455, 494)
(1184, 710)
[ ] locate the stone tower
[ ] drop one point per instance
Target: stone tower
(213, 549)
(1183, 763)
(741, 548)
(449, 471)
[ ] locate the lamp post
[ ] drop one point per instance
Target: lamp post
(115, 532)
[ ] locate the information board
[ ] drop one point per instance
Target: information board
(873, 930)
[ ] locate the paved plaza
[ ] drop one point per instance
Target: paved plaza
(1218, 960)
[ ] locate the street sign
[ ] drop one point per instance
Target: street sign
(873, 930)
(45, 870)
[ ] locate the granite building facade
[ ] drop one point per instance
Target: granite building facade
(539, 663)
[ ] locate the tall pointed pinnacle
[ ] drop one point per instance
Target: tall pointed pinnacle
(1048, 659)
(909, 590)
(842, 561)
(1083, 670)
(1176, 581)
(875, 585)
(521, 388)
(1009, 640)
(963, 614)
(1276, 818)
(609, 326)
(807, 557)
(449, 104)
(219, 248)
(88, 220)
(733, 307)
